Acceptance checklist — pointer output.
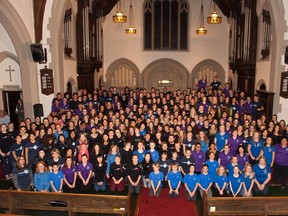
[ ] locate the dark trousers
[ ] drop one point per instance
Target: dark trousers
(280, 174)
(264, 191)
(6, 166)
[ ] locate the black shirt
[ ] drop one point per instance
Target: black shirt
(116, 171)
(134, 171)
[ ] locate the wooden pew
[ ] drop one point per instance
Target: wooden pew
(85, 203)
(250, 206)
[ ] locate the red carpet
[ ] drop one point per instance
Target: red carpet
(164, 205)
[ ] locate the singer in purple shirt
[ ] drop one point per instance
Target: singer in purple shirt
(281, 163)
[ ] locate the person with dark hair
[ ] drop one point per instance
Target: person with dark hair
(32, 148)
(205, 182)
(185, 161)
(281, 163)
(6, 142)
(134, 174)
(22, 176)
(117, 175)
(41, 177)
(100, 167)
(147, 165)
(235, 182)
(126, 153)
(69, 170)
(191, 182)
(56, 179)
(85, 170)
(17, 149)
(243, 157)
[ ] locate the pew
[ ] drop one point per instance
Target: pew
(250, 206)
(17, 201)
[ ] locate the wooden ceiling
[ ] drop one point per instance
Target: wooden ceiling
(105, 5)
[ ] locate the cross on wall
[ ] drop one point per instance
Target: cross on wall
(10, 70)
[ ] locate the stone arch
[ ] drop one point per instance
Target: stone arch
(165, 69)
(6, 54)
(260, 84)
(73, 85)
(210, 68)
(21, 40)
(122, 73)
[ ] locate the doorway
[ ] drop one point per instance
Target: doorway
(10, 99)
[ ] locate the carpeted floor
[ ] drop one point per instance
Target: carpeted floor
(164, 205)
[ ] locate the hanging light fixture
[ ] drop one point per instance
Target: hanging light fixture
(214, 17)
(119, 17)
(131, 29)
(201, 29)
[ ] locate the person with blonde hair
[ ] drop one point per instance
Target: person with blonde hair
(248, 181)
(41, 177)
(262, 176)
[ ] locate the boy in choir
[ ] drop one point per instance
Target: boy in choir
(56, 179)
(156, 177)
(174, 181)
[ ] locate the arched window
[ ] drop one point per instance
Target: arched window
(166, 25)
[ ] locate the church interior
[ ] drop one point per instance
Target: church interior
(83, 47)
(49, 47)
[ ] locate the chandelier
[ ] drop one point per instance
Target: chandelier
(119, 17)
(214, 17)
(201, 29)
(131, 29)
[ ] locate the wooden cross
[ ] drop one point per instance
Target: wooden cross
(10, 70)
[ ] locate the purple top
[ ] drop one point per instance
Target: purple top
(85, 170)
(225, 159)
(202, 84)
(199, 158)
(242, 160)
(69, 173)
(79, 113)
(64, 106)
(281, 155)
(205, 106)
(234, 144)
(56, 109)
(248, 108)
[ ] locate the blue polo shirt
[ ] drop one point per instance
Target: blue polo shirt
(174, 178)
(261, 174)
(156, 178)
(205, 180)
(191, 180)
(235, 182)
(220, 180)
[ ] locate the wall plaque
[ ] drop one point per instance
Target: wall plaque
(47, 81)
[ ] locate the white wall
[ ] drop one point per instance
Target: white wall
(25, 11)
(6, 45)
(213, 46)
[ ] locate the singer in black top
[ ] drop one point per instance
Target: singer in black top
(134, 174)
